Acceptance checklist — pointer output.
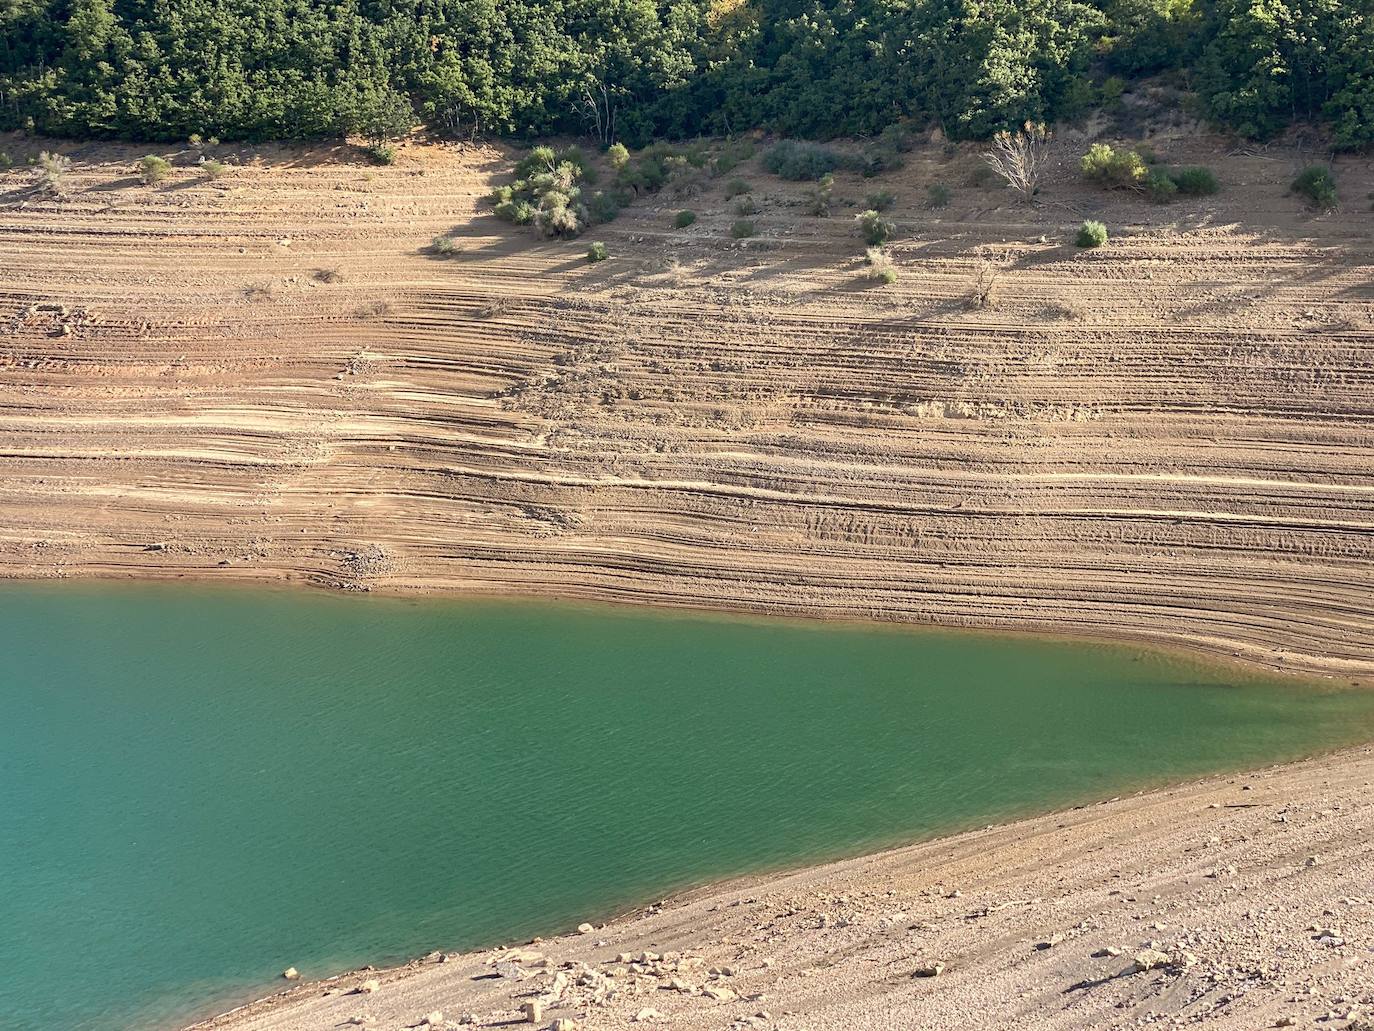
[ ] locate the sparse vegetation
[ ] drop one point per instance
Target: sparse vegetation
(683, 219)
(328, 275)
(445, 246)
(52, 173)
(1018, 157)
(735, 188)
(880, 266)
(213, 169)
(880, 200)
(874, 229)
(746, 205)
(152, 169)
(732, 154)
(1091, 234)
(983, 293)
(597, 252)
(1318, 185)
(937, 195)
(819, 197)
(1160, 187)
(742, 229)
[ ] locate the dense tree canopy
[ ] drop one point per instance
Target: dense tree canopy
(636, 69)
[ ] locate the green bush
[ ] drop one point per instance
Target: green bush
(798, 160)
(874, 229)
(735, 188)
(153, 169)
(1160, 187)
(1318, 185)
(937, 195)
(746, 205)
(597, 252)
(603, 207)
(445, 246)
(1091, 234)
(683, 219)
(733, 153)
(618, 156)
(742, 228)
(881, 200)
(213, 169)
(1196, 181)
(382, 153)
(519, 212)
(1115, 169)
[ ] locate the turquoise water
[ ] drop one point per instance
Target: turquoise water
(199, 788)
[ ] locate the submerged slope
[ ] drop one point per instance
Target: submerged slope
(1253, 890)
(268, 376)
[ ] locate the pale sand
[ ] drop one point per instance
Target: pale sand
(1219, 874)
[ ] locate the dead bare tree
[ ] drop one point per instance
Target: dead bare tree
(597, 106)
(1019, 157)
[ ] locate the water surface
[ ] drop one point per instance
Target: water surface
(199, 788)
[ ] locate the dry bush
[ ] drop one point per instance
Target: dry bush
(983, 294)
(329, 275)
(52, 174)
(881, 267)
(1019, 157)
(494, 307)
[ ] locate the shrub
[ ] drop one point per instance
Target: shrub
(548, 194)
(517, 212)
(983, 293)
(1196, 181)
(880, 265)
(874, 228)
(603, 207)
(445, 246)
(1091, 234)
(733, 153)
(618, 156)
(1160, 187)
(937, 195)
(1318, 185)
(746, 205)
(6, 162)
(683, 219)
(881, 200)
(152, 169)
(213, 169)
(597, 252)
(734, 188)
(897, 137)
(798, 160)
(539, 159)
(52, 173)
(818, 197)
(382, 153)
(1115, 169)
(742, 228)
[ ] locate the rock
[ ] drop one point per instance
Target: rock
(623, 957)
(361, 1019)
(368, 987)
(291, 974)
(1286, 1022)
(585, 928)
(1110, 952)
(1312, 861)
(1049, 942)
(929, 970)
(719, 992)
(1149, 959)
(646, 1015)
(434, 1019)
(533, 1011)
(563, 1024)
(723, 971)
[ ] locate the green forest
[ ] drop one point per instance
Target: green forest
(637, 70)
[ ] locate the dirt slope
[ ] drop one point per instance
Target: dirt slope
(1254, 892)
(268, 377)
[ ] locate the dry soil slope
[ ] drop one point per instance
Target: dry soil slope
(268, 376)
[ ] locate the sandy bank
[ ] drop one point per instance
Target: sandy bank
(1258, 888)
(269, 377)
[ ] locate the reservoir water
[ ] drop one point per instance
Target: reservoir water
(199, 788)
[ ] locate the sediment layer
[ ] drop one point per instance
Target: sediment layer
(270, 377)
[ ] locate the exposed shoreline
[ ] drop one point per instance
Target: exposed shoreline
(269, 378)
(1223, 875)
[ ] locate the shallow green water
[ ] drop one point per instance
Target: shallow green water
(200, 788)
